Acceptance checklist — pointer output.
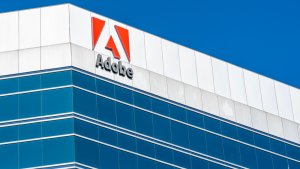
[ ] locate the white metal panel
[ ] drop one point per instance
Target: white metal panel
(268, 95)
(290, 130)
(188, 66)
(176, 91)
(275, 125)
(9, 63)
(295, 97)
(193, 96)
(80, 27)
(226, 107)
(30, 28)
(141, 78)
(284, 101)
(123, 79)
(29, 60)
(252, 89)
(83, 58)
(210, 102)
(237, 84)
(55, 25)
(243, 114)
(9, 31)
(221, 79)
(259, 120)
(55, 56)
(137, 47)
(103, 72)
(171, 60)
(204, 72)
(154, 54)
(158, 85)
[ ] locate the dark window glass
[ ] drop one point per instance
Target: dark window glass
(164, 154)
(57, 101)
(177, 113)
(264, 159)
(123, 94)
(214, 146)
(11, 134)
(108, 157)
(143, 122)
(182, 160)
(9, 156)
(262, 141)
(85, 103)
(180, 135)
(231, 151)
(195, 119)
(142, 101)
(9, 107)
(292, 151)
(125, 116)
(30, 154)
(29, 83)
(127, 142)
(198, 163)
(127, 160)
(106, 110)
(293, 164)
(30, 105)
(87, 152)
(197, 140)
(57, 127)
(160, 107)
(163, 166)
(279, 162)
(145, 148)
(9, 86)
(229, 130)
(86, 129)
(105, 88)
(56, 79)
(108, 136)
(144, 163)
(162, 128)
(245, 136)
(215, 166)
(248, 156)
(212, 124)
(83, 81)
(278, 147)
(29, 131)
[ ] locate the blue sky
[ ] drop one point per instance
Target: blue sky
(260, 35)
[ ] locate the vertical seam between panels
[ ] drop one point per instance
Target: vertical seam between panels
(291, 103)
(245, 87)
(196, 68)
(212, 72)
(40, 39)
(228, 81)
(162, 57)
(145, 52)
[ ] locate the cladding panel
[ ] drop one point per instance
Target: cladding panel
(29, 60)
(253, 89)
(188, 66)
(171, 60)
(237, 85)
(221, 79)
(9, 31)
(284, 101)
(137, 47)
(268, 95)
(205, 72)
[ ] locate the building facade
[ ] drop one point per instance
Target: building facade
(79, 90)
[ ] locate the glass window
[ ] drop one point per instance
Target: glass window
(145, 148)
(87, 152)
(9, 86)
(163, 166)
(84, 103)
(29, 83)
(215, 166)
(262, 141)
(264, 159)
(86, 129)
(11, 134)
(57, 127)
(164, 154)
(143, 122)
(9, 107)
(160, 107)
(29, 131)
(144, 163)
(229, 130)
(292, 151)
(231, 151)
(162, 128)
(57, 101)
(278, 147)
(214, 146)
(180, 135)
(123, 94)
(127, 142)
(293, 164)
(56, 79)
(245, 136)
(108, 157)
(127, 160)
(125, 116)
(279, 162)
(9, 156)
(248, 156)
(58, 150)
(108, 136)
(105, 88)
(106, 110)
(195, 119)
(84, 81)
(212, 124)
(182, 160)
(30, 105)
(197, 140)
(142, 101)
(30, 154)
(198, 163)
(177, 113)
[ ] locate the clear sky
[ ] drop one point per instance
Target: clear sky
(259, 35)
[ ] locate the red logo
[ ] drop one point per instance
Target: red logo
(97, 26)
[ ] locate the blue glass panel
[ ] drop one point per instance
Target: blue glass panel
(245, 136)
(229, 130)
(198, 163)
(262, 141)
(144, 163)
(162, 128)
(106, 110)
(108, 157)
(278, 147)
(85, 103)
(143, 122)
(9, 86)
(57, 127)
(231, 151)
(279, 162)
(214, 146)
(180, 135)
(292, 151)
(125, 116)
(177, 113)
(123, 94)
(195, 119)
(215, 166)
(30, 154)
(163, 166)
(9, 156)
(182, 160)
(248, 156)
(87, 152)
(142, 101)
(84, 81)
(293, 164)
(105, 88)
(164, 154)
(197, 140)
(264, 159)
(9, 107)
(127, 142)
(160, 107)
(86, 129)
(145, 148)
(29, 131)
(108, 136)
(30, 105)
(10, 133)
(212, 124)
(29, 83)
(58, 150)
(57, 101)
(127, 160)
(56, 79)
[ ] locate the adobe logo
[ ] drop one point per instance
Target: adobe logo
(97, 26)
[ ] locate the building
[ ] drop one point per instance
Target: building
(79, 90)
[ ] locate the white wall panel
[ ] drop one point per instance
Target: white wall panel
(290, 130)
(55, 56)
(210, 102)
(193, 96)
(204, 72)
(295, 97)
(137, 47)
(83, 58)
(29, 60)
(171, 60)
(176, 91)
(268, 95)
(55, 25)
(9, 63)
(188, 66)
(221, 79)
(275, 125)
(9, 31)
(252, 89)
(259, 120)
(80, 27)
(103, 72)
(237, 85)
(226, 108)
(30, 28)
(158, 85)
(243, 114)
(154, 54)
(123, 79)
(141, 78)
(284, 100)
